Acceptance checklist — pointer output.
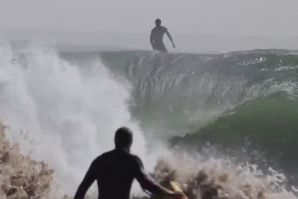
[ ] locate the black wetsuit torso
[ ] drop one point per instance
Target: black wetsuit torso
(156, 36)
(115, 171)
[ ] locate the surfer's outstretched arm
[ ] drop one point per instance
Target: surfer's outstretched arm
(147, 184)
(170, 37)
(87, 182)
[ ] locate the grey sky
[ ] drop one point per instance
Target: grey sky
(266, 18)
(271, 17)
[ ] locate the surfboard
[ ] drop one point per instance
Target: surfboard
(175, 187)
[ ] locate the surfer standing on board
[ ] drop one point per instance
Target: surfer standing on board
(156, 37)
(115, 171)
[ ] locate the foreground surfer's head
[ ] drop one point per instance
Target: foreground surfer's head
(157, 22)
(123, 138)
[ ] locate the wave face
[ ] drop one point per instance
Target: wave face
(181, 92)
(72, 102)
(225, 99)
(266, 125)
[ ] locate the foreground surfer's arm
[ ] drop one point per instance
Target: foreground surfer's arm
(87, 182)
(149, 185)
(170, 37)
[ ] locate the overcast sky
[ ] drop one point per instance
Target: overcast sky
(267, 18)
(247, 17)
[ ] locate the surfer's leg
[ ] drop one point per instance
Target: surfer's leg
(163, 50)
(161, 47)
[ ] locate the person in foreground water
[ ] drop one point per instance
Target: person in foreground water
(156, 37)
(115, 171)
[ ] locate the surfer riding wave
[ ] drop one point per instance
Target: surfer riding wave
(156, 37)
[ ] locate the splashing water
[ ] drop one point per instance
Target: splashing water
(73, 118)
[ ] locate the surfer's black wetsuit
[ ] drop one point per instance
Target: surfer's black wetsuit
(156, 37)
(115, 171)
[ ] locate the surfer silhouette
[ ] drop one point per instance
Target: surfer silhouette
(115, 171)
(156, 37)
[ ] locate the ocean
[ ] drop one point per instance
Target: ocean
(231, 116)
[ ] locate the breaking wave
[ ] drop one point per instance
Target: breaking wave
(71, 103)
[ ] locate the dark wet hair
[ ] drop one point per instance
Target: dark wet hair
(123, 138)
(158, 22)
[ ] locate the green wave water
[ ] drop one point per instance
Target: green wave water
(267, 124)
(235, 100)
